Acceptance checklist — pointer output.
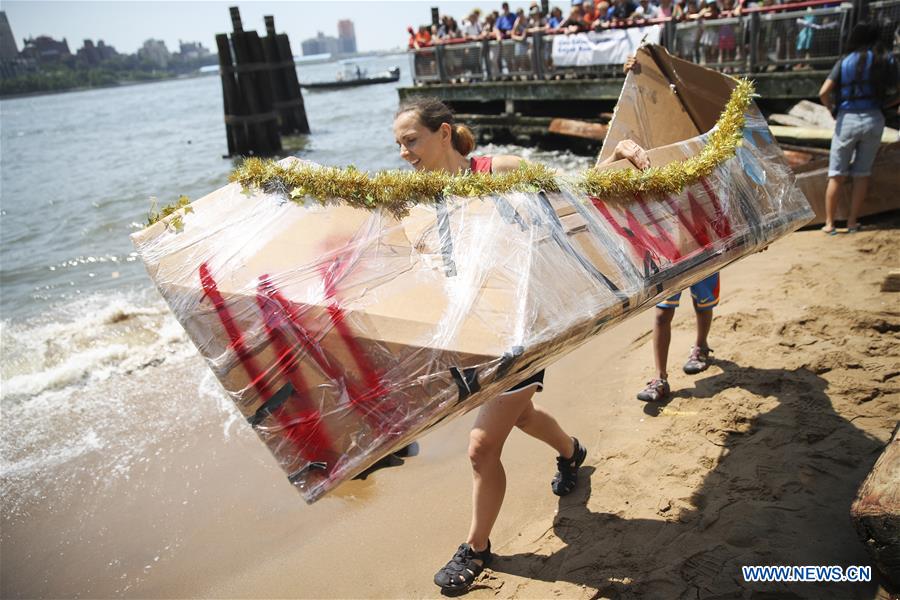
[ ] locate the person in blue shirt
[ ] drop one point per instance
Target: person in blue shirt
(506, 20)
(621, 10)
(855, 91)
(555, 18)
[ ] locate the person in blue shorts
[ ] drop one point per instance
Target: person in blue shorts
(705, 295)
(859, 85)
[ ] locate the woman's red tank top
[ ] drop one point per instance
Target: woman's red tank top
(481, 164)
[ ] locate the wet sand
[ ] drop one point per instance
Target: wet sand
(755, 461)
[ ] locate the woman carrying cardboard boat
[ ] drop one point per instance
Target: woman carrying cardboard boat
(430, 140)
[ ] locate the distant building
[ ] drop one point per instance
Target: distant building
(155, 53)
(8, 48)
(44, 49)
(88, 53)
(105, 52)
(346, 37)
(321, 44)
(94, 55)
(192, 50)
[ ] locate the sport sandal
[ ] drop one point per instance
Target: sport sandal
(460, 573)
(698, 361)
(567, 470)
(656, 390)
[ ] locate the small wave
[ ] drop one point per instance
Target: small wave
(74, 369)
(87, 340)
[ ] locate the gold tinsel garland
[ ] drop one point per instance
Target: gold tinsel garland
(398, 191)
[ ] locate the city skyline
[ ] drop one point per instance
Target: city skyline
(126, 25)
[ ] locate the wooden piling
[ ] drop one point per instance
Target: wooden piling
(251, 123)
(231, 98)
(287, 96)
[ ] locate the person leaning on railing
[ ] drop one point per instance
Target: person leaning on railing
(555, 18)
(490, 30)
(574, 22)
(859, 85)
(536, 20)
(471, 28)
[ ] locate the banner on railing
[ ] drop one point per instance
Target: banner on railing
(610, 47)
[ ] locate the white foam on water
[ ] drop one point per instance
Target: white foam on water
(85, 341)
(95, 389)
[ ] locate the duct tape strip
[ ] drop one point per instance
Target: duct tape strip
(277, 399)
(559, 236)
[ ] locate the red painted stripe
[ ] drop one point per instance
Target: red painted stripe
(235, 335)
(306, 429)
(257, 375)
(641, 240)
(361, 400)
(696, 228)
(372, 401)
(720, 222)
(667, 244)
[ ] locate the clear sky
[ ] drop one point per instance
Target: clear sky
(125, 24)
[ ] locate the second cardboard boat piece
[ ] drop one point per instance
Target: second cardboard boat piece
(343, 334)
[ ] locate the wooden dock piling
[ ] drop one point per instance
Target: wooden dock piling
(261, 94)
(288, 99)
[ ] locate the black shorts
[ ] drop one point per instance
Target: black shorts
(537, 380)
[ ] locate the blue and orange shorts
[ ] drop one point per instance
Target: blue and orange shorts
(704, 293)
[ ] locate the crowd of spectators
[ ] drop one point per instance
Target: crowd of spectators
(722, 42)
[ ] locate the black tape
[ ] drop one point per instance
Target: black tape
(559, 236)
(509, 214)
(277, 399)
(313, 466)
(466, 380)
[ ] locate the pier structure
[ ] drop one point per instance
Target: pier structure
(512, 91)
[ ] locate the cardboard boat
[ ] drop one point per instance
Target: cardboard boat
(344, 334)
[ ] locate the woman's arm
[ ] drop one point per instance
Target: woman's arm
(627, 149)
(515, 34)
(503, 163)
(825, 95)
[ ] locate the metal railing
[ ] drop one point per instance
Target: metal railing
(887, 14)
(812, 36)
(760, 39)
(714, 42)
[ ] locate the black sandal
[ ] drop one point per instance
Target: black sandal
(567, 470)
(460, 573)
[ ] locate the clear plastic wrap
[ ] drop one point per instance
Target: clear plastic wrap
(343, 334)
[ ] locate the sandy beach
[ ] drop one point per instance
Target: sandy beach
(755, 461)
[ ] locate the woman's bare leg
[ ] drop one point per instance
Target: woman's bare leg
(495, 421)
